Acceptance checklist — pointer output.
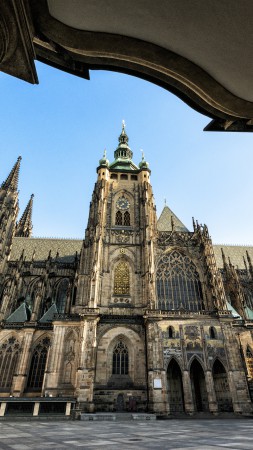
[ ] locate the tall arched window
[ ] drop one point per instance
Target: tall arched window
(38, 365)
(177, 283)
(118, 218)
(61, 295)
(120, 359)
(171, 332)
(9, 352)
(126, 219)
(212, 333)
(121, 279)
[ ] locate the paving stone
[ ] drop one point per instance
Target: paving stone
(158, 435)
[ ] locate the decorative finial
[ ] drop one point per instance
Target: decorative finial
(104, 155)
(143, 156)
(165, 201)
(123, 125)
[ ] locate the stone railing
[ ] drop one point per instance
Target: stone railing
(185, 313)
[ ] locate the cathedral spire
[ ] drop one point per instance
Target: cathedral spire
(24, 226)
(123, 154)
(11, 182)
(123, 150)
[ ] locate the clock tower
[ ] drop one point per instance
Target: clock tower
(116, 281)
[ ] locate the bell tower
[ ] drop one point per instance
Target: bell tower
(116, 266)
(115, 284)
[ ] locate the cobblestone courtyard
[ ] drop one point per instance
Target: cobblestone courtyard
(170, 434)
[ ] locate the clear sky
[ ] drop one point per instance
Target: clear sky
(62, 126)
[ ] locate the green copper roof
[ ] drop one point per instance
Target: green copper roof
(233, 311)
(123, 154)
(21, 314)
(49, 314)
(249, 313)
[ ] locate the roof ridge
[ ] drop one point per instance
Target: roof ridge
(234, 245)
(50, 237)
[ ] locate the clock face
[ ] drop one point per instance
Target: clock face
(122, 203)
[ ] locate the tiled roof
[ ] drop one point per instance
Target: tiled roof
(234, 252)
(164, 221)
(66, 248)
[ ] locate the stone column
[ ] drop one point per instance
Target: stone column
(188, 398)
(51, 380)
(157, 388)
(68, 409)
(212, 401)
(86, 370)
(20, 380)
(36, 409)
(2, 409)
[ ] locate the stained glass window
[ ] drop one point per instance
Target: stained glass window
(9, 352)
(120, 359)
(38, 365)
(121, 279)
(177, 283)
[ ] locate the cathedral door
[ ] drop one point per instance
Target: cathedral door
(221, 387)
(198, 383)
(120, 404)
(175, 388)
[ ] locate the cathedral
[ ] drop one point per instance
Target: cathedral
(142, 315)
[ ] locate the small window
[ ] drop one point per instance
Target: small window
(114, 176)
(212, 332)
(123, 176)
(134, 177)
(171, 332)
(118, 218)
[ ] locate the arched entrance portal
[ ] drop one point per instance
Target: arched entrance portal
(175, 388)
(221, 387)
(199, 392)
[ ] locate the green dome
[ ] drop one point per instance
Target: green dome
(143, 164)
(104, 161)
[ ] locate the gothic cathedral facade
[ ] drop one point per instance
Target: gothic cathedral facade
(142, 315)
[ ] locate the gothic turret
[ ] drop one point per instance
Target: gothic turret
(24, 226)
(11, 182)
(8, 212)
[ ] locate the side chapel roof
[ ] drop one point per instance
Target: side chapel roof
(168, 219)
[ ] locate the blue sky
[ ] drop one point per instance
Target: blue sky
(61, 127)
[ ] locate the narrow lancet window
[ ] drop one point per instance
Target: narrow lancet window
(38, 365)
(9, 352)
(118, 219)
(127, 219)
(120, 359)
